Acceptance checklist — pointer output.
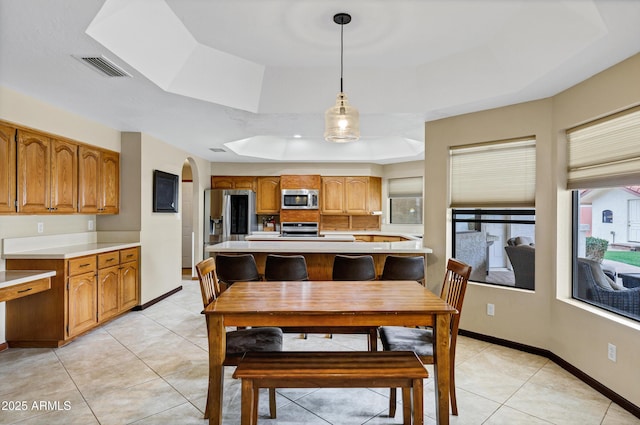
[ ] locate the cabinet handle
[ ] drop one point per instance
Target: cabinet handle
(25, 290)
(110, 259)
(130, 255)
(85, 265)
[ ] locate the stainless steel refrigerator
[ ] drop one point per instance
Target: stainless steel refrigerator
(228, 215)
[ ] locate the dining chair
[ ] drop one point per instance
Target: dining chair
(241, 341)
(231, 268)
(420, 341)
(398, 267)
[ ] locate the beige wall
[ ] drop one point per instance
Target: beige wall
(160, 234)
(548, 318)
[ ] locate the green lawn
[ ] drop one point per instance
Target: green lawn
(628, 257)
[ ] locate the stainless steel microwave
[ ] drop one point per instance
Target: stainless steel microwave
(299, 199)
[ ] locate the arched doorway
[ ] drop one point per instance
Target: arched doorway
(190, 217)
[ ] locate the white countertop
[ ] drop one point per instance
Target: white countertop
(277, 237)
(71, 251)
(276, 246)
(17, 277)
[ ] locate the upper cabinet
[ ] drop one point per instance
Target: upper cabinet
(42, 173)
(7, 169)
(350, 195)
(99, 181)
(233, 182)
(47, 174)
(268, 195)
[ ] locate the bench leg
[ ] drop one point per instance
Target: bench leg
(418, 408)
(248, 412)
(272, 403)
(406, 406)
(392, 402)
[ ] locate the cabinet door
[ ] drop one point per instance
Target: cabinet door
(128, 285)
(357, 195)
(109, 183)
(82, 296)
(222, 182)
(88, 169)
(34, 184)
(375, 194)
(108, 288)
(333, 195)
(64, 176)
(7, 169)
(244, 183)
(268, 195)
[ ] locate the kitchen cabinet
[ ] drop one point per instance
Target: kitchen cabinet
(82, 289)
(350, 195)
(47, 174)
(117, 282)
(268, 195)
(99, 181)
(348, 203)
(85, 292)
(233, 182)
(7, 169)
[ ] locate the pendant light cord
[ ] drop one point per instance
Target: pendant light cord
(341, 53)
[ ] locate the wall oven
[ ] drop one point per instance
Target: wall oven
(299, 199)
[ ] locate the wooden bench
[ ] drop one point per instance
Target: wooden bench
(336, 369)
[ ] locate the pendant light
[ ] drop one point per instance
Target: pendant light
(342, 122)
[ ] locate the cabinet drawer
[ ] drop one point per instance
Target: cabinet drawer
(82, 265)
(108, 259)
(24, 289)
(127, 255)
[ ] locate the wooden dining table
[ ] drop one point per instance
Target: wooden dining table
(328, 303)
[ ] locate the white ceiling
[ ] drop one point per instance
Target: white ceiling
(247, 75)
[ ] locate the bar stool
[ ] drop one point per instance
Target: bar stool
(403, 268)
(233, 268)
(353, 267)
(285, 268)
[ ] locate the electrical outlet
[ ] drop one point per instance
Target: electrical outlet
(90, 224)
(611, 352)
(491, 309)
(40, 227)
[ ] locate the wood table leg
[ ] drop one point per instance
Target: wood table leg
(441, 367)
(217, 352)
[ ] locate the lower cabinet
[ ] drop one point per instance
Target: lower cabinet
(85, 292)
(82, 303)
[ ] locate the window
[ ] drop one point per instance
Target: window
(499, 245)
(604, 164)
(405, 200)
(493, 217)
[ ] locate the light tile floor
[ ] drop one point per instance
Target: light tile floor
(150, 367)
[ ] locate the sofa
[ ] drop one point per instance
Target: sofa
(522, 255)
(594, 285)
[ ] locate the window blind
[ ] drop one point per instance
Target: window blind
(493, 174)
(406, 187)
(605, 152)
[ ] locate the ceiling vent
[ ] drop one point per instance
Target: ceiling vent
(217, 150)
(103, 65)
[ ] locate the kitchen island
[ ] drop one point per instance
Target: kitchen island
(319, 255)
